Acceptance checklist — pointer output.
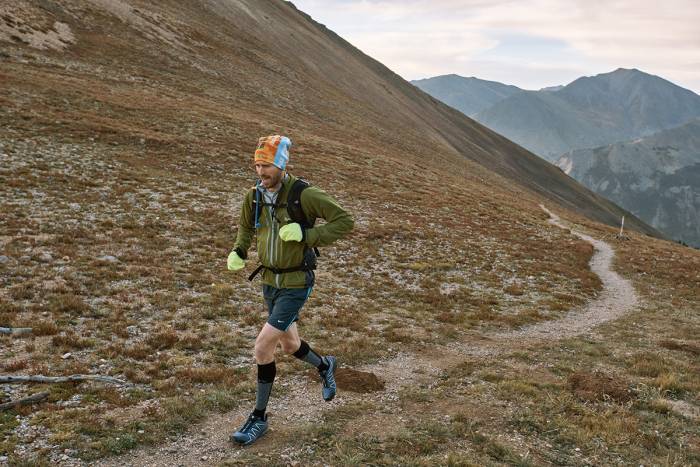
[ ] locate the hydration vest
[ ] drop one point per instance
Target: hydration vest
(296, 214)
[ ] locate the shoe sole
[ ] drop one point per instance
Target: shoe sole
(247, 443)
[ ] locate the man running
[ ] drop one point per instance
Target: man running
(286, 251)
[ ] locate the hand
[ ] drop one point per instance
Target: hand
(291, 233)
(234, 262)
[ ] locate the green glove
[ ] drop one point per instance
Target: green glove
(234, 262)
(291, 233)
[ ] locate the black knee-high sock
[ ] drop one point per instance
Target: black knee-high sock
(266, 376)
(308, 355)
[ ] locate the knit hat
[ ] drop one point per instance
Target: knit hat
(273, 150)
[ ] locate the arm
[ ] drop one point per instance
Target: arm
(339, 223)
(245, 227)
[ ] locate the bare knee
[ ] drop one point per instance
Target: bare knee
(264, 352)
(289, 346)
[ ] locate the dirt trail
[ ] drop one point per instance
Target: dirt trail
(617, 297)
(208, 442)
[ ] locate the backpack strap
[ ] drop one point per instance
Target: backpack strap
(293, 205)
(305, 266)
(258, 204)
(257, 207)
(294, 208)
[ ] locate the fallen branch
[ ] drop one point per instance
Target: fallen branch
(16, 330)
(60, 379)
(40, 396)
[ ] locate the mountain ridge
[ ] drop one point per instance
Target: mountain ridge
(610, 110)
(596, 110)
(655, 177)
(469, 95)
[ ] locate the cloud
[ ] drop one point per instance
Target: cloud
(418, 39)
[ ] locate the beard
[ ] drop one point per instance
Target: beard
(272, 181)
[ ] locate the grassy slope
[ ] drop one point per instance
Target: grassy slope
(134, 152)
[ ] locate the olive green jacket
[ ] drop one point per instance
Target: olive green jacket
(278, 254)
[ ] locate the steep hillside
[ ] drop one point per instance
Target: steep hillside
(592, 111)
(655, 177)
(468, 95)
(297, 71)
(126, 137)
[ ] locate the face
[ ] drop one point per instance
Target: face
(270, 176)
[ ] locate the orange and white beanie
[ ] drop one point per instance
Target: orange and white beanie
(273, 150)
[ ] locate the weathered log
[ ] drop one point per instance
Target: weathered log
(16, 330)
(60, 379)
(40, 396)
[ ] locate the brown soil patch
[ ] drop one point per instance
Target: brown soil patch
(348, 379)
(598, 387)
(690, 347)
(358, 381)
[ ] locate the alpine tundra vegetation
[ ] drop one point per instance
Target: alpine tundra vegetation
(125, 139)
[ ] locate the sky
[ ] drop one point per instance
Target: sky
(527, 43)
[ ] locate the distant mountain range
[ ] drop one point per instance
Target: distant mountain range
(592, 129)
(587, 113)
(468, 95)
(657, 178)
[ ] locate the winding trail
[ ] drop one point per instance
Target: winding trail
(617, 297)
(207, 443)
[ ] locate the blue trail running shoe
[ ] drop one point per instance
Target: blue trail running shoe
(328, 379)
(251, 430)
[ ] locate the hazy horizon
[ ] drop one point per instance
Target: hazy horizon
(530, 44)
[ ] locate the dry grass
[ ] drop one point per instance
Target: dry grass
(165, 315)
(689, 347)
(16, 365)
(71, 341)
(163, 339)
(222, 376)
